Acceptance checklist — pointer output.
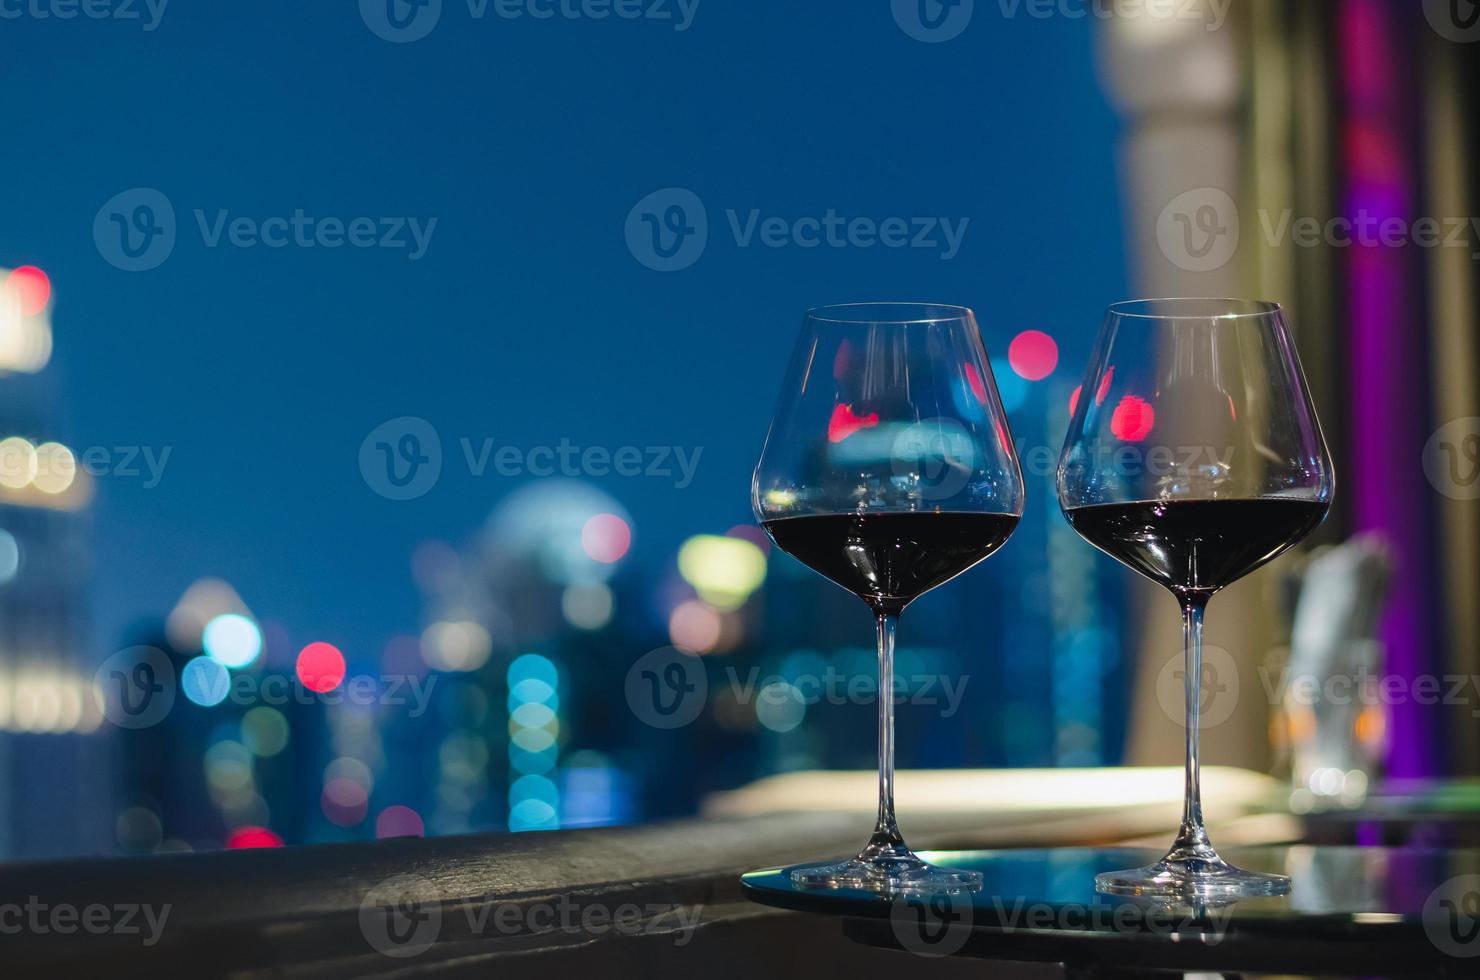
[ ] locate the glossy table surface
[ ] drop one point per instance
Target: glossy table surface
(1350, 910)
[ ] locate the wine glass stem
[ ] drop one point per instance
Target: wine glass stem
(1192, 835)
(886, 831)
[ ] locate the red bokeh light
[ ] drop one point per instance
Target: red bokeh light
(1104, 389)
(31, 288)
(1133, 419)
(320, 667)
(844, 423)
(399, 821)
(1033, 354)
(243, 837)
(606, 538)
(1074, 399)
(977, 385)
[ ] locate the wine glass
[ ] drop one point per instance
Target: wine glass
(1194, 456)
(889, 469)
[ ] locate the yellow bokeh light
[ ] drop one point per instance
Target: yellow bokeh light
(723, 570)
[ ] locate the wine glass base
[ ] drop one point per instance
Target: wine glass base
(898, 872)
(1192, 878)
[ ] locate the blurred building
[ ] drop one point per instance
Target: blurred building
(51, 766)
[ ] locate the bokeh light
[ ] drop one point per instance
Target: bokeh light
(532, 666)
(18, 463)
(344, 802)
(56, 468)
(399, 821)
(205, 682)
(780, 707)
(1133, 419)
(320, 667)
(723, 570)
(232, 640)
(695, 627)
(845, 422)
(587, 607)
(265, 731)
(456, 646)
(228, 767)
(31, 288)
(606, 538)
(1011, 388)
(1033, 354)
(246, 837)
(10, 557)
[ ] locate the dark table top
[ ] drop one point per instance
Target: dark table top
(1350, 910)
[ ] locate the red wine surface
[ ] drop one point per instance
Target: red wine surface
(888, 560)
(1197, 545)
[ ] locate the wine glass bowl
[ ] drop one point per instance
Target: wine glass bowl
(1194, 456)
(888, 469)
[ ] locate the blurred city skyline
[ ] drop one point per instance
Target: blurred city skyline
(244, 378)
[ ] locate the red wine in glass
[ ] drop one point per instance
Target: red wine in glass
(889, 560)
(889, 469)
(1195, 458)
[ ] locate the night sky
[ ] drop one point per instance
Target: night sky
(528, 319)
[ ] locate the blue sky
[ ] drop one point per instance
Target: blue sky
(528, 319)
